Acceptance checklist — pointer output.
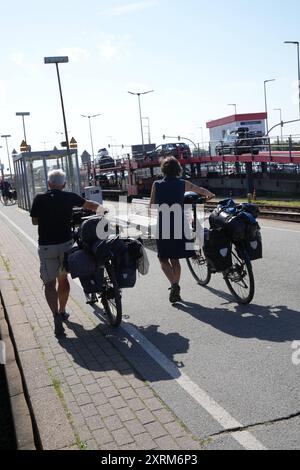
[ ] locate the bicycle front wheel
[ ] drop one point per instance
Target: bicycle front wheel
(199, 268)
(239, 278)
(111, 297)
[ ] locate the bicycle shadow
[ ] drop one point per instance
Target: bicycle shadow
(275, 323)
(106, 348)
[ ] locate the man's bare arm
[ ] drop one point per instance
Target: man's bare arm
(94, 206)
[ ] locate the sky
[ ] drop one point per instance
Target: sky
(197, 55)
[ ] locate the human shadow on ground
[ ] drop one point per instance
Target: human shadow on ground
(274, 323)
(106, 348)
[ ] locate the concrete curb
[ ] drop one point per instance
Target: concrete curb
(52, 427)
(20, 411)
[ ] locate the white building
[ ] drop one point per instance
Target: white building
(218, 129)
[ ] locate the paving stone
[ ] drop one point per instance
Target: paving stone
(83, 399)
(99, 399)
(128, 393)
(145, 442)
(155, 429)
(145, 393)
(145, 416)
(88, 410)
(94, 423)
(113, 423)
(78, 389)
(175, 429)
(135, 427)
(102, 437)
(153, 404)
(125, 414)
(104, 382)
(166, 443)
(93, 388)
(117, 402)
(164, 416)
(111, 392)
(187, 443)
(136, 404)
(106, 410)
(84, 433)
(122, 437)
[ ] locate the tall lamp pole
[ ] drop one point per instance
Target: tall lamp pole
(56, 61)
(296, 43)
(92, 144)
(280, 111)
(1, 167)
(91, 135)
(24, 130)
(8, 156)
(266, 104)
(141, 120)
(233, 104)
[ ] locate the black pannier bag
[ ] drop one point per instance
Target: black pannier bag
(218, 219)
(79, 263)
(217, 250)
(93, 284)
(127, 263)
(254, 246)
(88, 230)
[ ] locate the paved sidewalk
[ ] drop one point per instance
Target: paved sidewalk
(83, 392)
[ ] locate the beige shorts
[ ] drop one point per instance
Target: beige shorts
(52, 258)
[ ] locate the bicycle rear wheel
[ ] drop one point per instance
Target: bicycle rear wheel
(111, 297)
(199, 268)
(239, 278)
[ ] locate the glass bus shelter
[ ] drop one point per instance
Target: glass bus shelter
(32, 168)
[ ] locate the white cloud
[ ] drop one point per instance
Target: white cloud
(75, 54)
(129, 8)
(114, 48)
(18, 58)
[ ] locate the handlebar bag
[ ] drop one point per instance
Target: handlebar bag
(88, 230)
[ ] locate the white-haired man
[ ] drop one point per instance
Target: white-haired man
(52, 212)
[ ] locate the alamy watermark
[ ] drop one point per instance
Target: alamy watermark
(296, 353)
(163, 222)
(2, 353)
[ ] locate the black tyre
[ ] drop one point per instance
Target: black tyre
(199, 269)
(111, 297)
(239, 278)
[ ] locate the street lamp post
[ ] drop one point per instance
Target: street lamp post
(8, 156)
(148, 127)
(24, 130)
(91, 135)
(141, 120)
(56, 61)
(233, 104)
(1, 167)
(92, 144)
(266, 104)
(296, 43)
(280, 111)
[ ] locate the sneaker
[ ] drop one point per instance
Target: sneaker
(65, 316)
(175, 294)
(58, 325)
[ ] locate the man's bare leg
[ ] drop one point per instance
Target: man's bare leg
(63, 292)
(51, 296)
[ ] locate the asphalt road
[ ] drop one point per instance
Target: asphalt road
(222, 368)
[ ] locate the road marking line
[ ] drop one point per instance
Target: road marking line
(219, 414)
(245, 438)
